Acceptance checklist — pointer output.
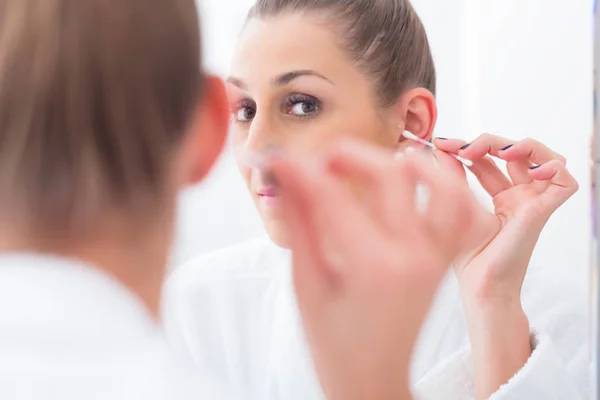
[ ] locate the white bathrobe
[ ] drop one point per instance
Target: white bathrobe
(70, 332)
(234, 312)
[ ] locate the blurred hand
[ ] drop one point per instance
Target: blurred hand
(365, 272)
(491, 274)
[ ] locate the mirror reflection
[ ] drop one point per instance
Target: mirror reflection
(292, 84)
(297, 199)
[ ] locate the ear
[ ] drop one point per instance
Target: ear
(418, 115)
(208, 132)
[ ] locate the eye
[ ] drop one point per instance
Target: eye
(244, 112)
(301, 109)
(302, 106)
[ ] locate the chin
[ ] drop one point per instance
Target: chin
(277, 232)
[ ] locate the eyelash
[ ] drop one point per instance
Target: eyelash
(298, 98)
(244, 104)
(289, 103)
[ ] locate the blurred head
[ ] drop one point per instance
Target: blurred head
(306, 73)
(104, 117)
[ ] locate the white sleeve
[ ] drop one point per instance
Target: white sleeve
(451, 379)
(544, 376)
(558, 367)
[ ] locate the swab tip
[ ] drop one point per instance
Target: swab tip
(466, 162)
(410, 135)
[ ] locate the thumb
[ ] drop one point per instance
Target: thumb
(562, 184)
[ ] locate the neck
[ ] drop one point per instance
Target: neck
(137, 261)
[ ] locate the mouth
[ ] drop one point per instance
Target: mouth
(268, 196)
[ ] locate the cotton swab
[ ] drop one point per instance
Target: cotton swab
(411, 136)
(254, 159)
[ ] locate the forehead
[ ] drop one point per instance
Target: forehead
(288, 42)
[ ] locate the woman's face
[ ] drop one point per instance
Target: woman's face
(291, 86)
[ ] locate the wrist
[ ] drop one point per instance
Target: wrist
(387, 391)
(488, 293)
(497, 319)
(498, 325)
(500, 343)
(386, 383)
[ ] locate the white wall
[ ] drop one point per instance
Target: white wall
(517, 68)
(536, 80)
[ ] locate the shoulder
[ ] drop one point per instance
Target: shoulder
(558, 309)
(248, 259)
(556, 303)
(220, 300)
(227, 271)
(151, 371)
(551, 292)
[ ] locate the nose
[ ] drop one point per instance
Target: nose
(262, 140)
(261, 136)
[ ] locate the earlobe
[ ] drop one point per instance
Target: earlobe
(209, 130)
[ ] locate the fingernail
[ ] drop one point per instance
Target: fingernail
(535, 167)
(409, 150)
(507, 147)
(465, 146)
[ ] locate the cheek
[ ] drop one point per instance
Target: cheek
(368, 125)
(239, 134)
(320, 135)
(246, 173)
(362, 126)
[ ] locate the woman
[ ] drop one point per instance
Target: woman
(100, 129)
(307, 73)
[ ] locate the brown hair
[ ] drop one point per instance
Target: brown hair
(385, 38)
(94, 95)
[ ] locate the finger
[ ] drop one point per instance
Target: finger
(449, 145)
(491, 178)
(532, 150)
(484, 145)
(562, 184)
(519, 172)
(447, 208)
(387, 188)
(335, 220)
(449, 163)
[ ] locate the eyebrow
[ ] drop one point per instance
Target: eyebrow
(282, 79)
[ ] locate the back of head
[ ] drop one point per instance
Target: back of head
(385, 38)
(94, 96)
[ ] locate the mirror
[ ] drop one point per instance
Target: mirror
(105, 114)
(595, 259)
(516, 69)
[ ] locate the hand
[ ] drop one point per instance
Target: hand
(491, 274)
(539, 183)
(365, 272)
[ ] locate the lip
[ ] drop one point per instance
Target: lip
(268, 196)
(267, 192)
